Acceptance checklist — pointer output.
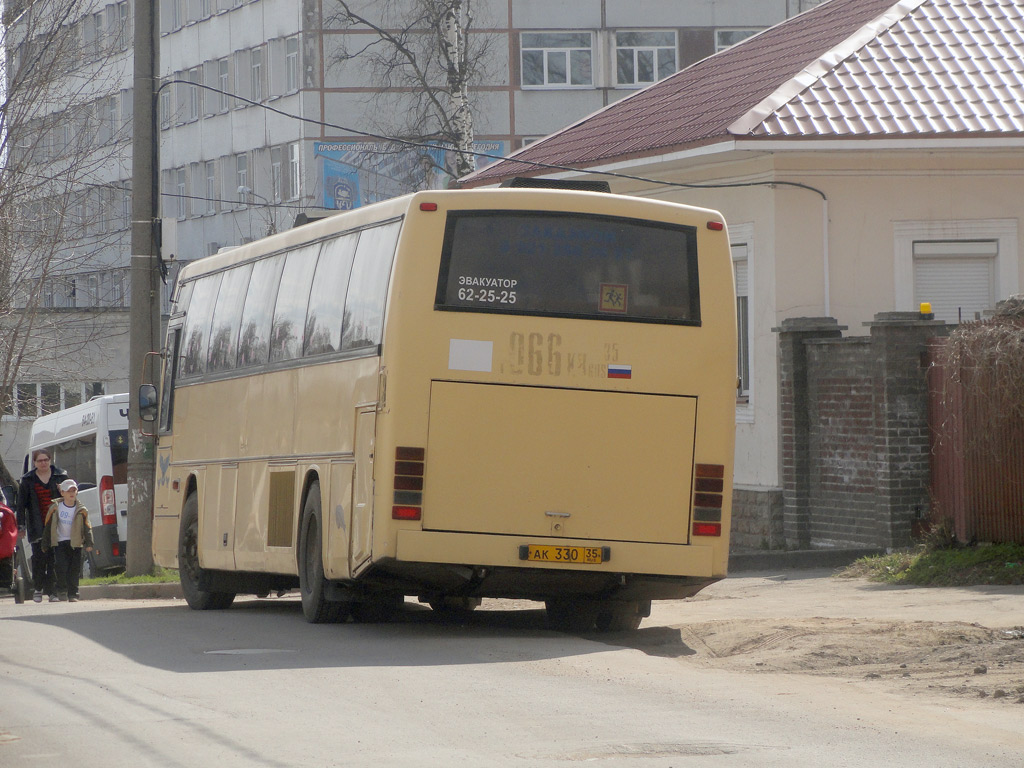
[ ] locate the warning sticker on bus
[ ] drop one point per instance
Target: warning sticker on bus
(613, 298)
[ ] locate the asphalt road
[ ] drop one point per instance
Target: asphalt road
(150, 683)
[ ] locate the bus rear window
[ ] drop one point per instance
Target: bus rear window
(569, 265)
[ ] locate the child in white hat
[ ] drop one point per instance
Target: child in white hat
(66, 531)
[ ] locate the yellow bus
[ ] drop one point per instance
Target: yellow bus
(454, 395)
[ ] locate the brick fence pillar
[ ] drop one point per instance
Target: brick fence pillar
(901, 439)
(794, 422)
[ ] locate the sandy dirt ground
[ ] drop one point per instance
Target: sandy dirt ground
(937, 643)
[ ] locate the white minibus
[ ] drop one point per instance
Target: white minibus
(90, 443)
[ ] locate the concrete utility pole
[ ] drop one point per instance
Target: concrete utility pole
(145, 278)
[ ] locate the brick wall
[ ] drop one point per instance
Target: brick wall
(854, 431)
(757, 521)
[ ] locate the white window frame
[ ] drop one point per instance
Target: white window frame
(550, 53)
(181, 191)
(294, 171)
(195, 97)
(242, 178)
(276, 174)
(291, 64)
(743, 235)
(905, 233)
(656, 52)
(256, 89)
(210, 167)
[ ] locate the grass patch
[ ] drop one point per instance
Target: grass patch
(159, 576)
(947, 567)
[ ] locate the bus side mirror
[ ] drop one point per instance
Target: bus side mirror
(147, 403)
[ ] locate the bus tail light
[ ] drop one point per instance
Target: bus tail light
(707, 529)
(708, 486)
(108, 508)
(408, 490)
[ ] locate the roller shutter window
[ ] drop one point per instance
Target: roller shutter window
(958, 278)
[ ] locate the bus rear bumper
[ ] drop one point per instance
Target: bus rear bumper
(490, 566)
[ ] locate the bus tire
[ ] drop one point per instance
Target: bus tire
(189, 570)
(619, 616)
(312, 585)
(568, 615)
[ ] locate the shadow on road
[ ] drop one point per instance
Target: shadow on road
(272, 634)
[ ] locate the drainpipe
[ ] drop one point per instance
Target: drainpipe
(824, 252)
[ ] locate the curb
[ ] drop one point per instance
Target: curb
(797, 559)
(131, 591)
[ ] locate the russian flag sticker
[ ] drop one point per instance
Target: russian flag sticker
(620, 371)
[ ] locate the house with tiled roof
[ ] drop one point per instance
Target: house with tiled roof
(868, 156)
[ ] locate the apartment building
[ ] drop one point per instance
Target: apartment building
(309, 132)
(66, 202)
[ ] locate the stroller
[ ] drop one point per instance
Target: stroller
(15, 572)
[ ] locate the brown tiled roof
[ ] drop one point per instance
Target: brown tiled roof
(845, 68)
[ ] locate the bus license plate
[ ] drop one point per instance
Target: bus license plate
(554, 554)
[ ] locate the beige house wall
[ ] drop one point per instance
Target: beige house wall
(874, 196)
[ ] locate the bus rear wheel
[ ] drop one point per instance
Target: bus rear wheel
(189, 570)
(312, 585)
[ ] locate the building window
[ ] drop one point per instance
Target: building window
(293, 171)
(26, 401)
(98, 27)
(224, 84)
(124, 26)
(726, 38)
(956, 277)
(276, 179)
(165, 106)
(742, 236)
(211, 186)
(195, 97)
(242, 178)
(642, 58)
(178, 14)
(557, 59)
(256, 70)
(291, 64)
(962, 268)
(180, 188)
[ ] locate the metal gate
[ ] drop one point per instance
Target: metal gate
(977, 472)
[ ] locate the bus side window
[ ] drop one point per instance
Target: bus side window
(227, 317)
(326, 307)
(367, 289)
(198, 318)
(254, 335)
(292, 301)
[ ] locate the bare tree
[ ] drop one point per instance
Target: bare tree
(424, 56)
(63, 222)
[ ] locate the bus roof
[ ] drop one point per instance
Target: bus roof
(377, 212)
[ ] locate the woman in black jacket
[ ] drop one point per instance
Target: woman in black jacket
(39, 487)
